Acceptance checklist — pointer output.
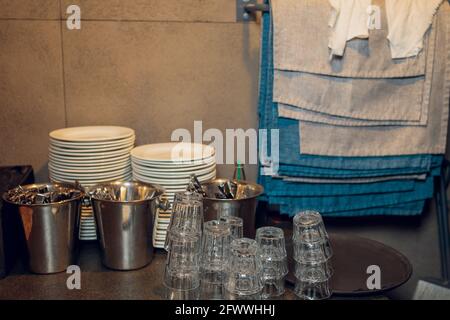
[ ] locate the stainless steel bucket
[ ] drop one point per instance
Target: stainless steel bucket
(50, 230)
(125, 222)
(245, 207)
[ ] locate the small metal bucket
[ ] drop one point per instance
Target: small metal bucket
(50, 229)
(244, 208)
(125, 222)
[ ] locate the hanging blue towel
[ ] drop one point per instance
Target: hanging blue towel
(395, 197)
(289, 135)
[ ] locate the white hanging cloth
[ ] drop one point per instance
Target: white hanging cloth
(408, 21)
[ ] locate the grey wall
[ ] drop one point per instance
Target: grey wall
(152, 65)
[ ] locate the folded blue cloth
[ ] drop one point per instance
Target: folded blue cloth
(407, 209)
(278, 187)
(297, 171)
(324, 204)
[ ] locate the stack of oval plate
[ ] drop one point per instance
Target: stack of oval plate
(170, 165)
(90, 155)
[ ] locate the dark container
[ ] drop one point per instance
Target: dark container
(11, 241)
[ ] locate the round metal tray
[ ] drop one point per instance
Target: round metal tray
(352, 255)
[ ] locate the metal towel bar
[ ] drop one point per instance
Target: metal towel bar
(254, 7)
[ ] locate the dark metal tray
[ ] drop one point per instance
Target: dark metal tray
(352, 256)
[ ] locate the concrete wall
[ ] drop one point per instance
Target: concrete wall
(153, 65)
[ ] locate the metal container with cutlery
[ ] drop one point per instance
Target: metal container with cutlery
(125, 213)
(243, 205)
(49, 214)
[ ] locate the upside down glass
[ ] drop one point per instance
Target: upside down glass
(187, 214)
(183, 260)
(310, 222)
(313, 272)
(244, 269)
(311, 248)
(215, 251)
(312, 290)
(312, 254)
(273, 257)
(236, 226)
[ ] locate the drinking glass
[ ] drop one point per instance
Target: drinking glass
(312, 249)
(244, 269)
(309, 222)
(313, 272)
(307, 290)
(272, 254)
(236, 226)
(183, 260)
(211, 291)
(215, 251)
(187, 214)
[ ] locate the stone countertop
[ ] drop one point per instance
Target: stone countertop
(97, 282)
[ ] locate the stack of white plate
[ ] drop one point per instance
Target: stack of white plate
(90, 155)
(170, 165)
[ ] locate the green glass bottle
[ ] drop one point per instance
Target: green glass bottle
(239, 172)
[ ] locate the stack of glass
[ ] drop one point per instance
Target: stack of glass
(272, 254)
(183, 242)
(312, 254)
(236, 226)
(243, 276)
(215, 251)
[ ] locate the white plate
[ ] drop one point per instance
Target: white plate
(170, 173)
(88, 222)
(86, 183)
(91, 175)
(91, 133)
(81, 177)
(175, 188)
(88, 233)
(169, 177)
(87, 215)
(88, 228)
(78, 162)
(164, 216)
(174, 164)
(174, 182)
(90, 155)
(90, 145)
(66, 151)
(88, 225)
(175, 168)
(173, 151)
(94, 169)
